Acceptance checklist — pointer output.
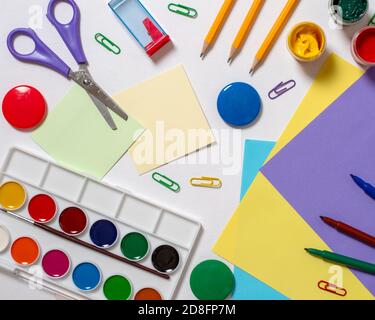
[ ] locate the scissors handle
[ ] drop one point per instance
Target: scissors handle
(69, 32)
(41, 55)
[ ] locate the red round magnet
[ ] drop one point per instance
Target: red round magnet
(24, 107)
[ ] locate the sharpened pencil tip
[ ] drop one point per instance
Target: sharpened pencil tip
(251, 72)
(202, 55)
(230, 60)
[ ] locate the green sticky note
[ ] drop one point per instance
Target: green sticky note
(77, 136)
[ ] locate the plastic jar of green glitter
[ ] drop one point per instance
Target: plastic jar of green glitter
(348, 12)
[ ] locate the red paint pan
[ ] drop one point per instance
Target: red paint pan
(73, 221)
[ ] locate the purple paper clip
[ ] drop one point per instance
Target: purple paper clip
(281, 88)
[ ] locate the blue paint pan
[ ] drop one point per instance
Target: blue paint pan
(87, 276)
(103, 234)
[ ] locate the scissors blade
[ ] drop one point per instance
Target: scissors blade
(84, 79)
(104, 112)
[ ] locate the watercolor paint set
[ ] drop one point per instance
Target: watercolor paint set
(88, 238)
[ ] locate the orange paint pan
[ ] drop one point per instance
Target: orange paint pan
(25, 251)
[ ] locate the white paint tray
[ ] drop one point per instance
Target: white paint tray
(130, 213)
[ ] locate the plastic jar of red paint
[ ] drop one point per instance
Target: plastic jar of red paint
(363, 46)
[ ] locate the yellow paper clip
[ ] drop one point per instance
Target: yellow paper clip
(166, 182)
(206, 182)
(332, 288)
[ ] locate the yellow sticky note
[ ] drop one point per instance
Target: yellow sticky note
(176, 126)
(266, 237)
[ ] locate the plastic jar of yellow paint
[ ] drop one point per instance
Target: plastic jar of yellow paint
(307, 41)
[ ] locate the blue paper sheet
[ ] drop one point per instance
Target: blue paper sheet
(248, 287)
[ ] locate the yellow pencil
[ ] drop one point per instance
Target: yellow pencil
(217, 25)
(274, 33)
(245, 28)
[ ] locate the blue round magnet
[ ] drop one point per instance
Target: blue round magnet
(239, 104)
(86, 276)
(103, 233)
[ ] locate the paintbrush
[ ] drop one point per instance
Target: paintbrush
(85, 244)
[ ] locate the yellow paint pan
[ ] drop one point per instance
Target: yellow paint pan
(12, 195)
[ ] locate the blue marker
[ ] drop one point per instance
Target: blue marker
(366, 187)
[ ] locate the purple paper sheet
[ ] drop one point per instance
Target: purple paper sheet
(313, 171)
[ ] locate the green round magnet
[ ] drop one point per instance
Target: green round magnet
(212, 280)
(117, 288)
(134, 246)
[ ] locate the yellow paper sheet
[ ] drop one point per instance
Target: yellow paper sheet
(168, 107)
(266, 237)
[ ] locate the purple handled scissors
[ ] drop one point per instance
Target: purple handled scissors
(44, 56)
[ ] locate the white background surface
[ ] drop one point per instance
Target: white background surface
(212, 208)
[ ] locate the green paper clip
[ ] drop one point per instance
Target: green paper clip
(372, 22)
(107, 43)
(183, 10)
(166, 182)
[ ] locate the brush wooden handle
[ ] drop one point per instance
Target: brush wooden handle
(100, 250)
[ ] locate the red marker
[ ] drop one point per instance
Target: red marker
(350, 231)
